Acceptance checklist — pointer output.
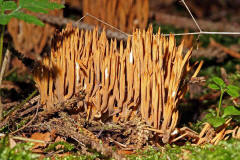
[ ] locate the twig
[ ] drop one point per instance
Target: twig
(4, 64)
(9, 105)
(183, 22)
(207, 33)
(69, 104)
(24, 139)
(117, 143)
(64, 128)
(3, 67)
(225, 49)
(87, 14)
(28, 122)
(21, 104)
(54, 20)
(163, 18)
(200, 30)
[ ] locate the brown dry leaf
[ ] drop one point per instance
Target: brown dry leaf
(12, 143)
(41, 136)
(126, 152)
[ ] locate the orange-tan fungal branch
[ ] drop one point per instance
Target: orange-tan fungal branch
(125, 15)
(144, 77)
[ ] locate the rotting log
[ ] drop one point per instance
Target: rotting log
(145, 77)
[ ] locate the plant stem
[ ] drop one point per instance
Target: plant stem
(1, 43)
(220, 103)
(1, 51)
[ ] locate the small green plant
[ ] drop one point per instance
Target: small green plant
(18, 152)
(76, 157)
(65, 147)
(217, 119)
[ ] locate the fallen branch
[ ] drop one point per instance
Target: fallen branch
(64, 128)
(38, 105)
(23, 139)
(224, 49)
(21, 104)
(54, 20)
(70, 104)
(183, 22)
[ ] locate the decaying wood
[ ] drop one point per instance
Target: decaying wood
(85, 138)
(229, 51)
(54, 20)
(144, 77)
(184, 22)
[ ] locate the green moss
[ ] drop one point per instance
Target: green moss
(19, 152)
(225, 150)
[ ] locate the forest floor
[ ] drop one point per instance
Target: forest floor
(30, 133)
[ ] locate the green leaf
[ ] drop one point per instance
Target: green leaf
(233, 91)
(231, 111)
(214, 86)
(216, 121)
(1, 3)
(218, 81)
(9, 5)
(28, 18)
(4, 19)
(42, 6)
(54, 5)
(35, 9)
(32, 6)
(48, 5)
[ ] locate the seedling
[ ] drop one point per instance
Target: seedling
(217, 120)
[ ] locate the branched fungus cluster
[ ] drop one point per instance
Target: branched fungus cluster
(143, 76)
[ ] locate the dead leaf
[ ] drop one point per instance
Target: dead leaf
(41, 136)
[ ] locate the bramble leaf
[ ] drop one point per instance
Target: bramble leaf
(233, 91)
(4, 19)
(8, 5)
(231, 111)
(42, 6)
(28, 18)
(218, 81)
(214, 86)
